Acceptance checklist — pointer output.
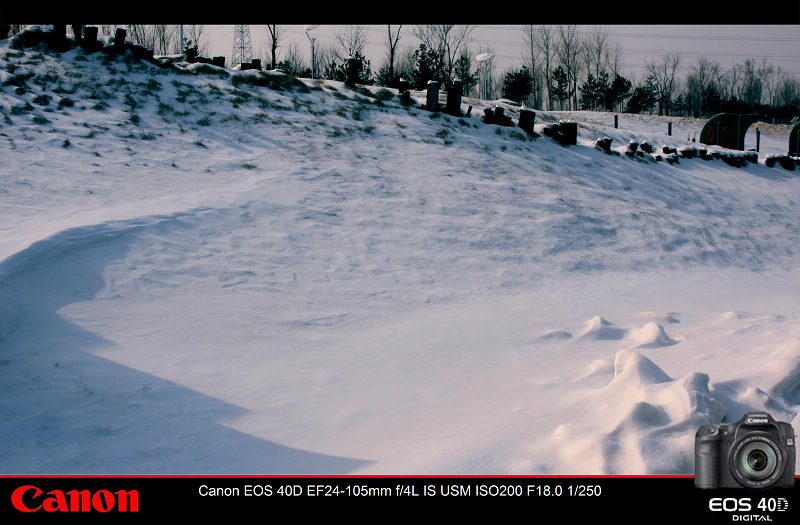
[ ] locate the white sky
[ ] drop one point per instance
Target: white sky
(780, 44)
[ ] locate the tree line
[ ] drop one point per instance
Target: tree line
(570, 69)
(443, 55)
(564, 67)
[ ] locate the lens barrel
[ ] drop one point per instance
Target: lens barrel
(757, 460)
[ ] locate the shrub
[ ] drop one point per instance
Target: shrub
(384, 94)
(271, 81)
(19, 110)
(208, 69)
(358, 112)
(164, 108)
(42, 100)
(152, 86)
(18, 79)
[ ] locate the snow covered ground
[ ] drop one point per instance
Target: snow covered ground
(220, 272)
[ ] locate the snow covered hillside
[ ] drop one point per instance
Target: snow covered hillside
(215, 271)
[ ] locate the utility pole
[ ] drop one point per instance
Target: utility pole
(312, 40)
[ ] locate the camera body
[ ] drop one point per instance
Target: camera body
(756, 452)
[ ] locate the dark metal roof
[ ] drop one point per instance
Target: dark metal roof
(727, 130)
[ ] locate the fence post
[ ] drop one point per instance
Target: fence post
(454, 99)
(500, 117)
(59, 35)
(119, 40)
(669, 129)
(432, 102)
(526, 119)
(90, 37)
(616, 121)
(353, 66)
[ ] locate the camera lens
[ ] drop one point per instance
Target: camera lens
(757, 460)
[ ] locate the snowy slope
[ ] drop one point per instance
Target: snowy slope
(209, 271)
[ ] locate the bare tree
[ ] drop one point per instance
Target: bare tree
(540, 46)
(327, 57)
(293, 62)
(775, 82)
(404, 64)
(788, 92)
(568, 51)
(535, 67)
(162, 39)
(615, 59)
(106, 30)
(664, 73)
(750, 86)
(195, 36)
(275, 34)
(391, 46)
(704, 73)
(140, 34)
(446, 42)
(769, 77)
(596, 48)
(730, 82)
(352, 40)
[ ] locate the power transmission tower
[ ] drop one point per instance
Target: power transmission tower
(242, 48)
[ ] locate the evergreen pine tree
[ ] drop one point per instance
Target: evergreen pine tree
(561, 86)
(620, 90)
(517, 85)
(462, 72)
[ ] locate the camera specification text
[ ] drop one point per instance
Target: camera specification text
(403, 490)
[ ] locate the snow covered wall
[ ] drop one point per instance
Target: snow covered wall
(211, 271)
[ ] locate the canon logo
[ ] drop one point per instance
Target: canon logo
(757, 420)
(28, 498)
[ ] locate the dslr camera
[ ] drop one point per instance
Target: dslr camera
(756, 452)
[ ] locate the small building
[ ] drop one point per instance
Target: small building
(727, 130)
